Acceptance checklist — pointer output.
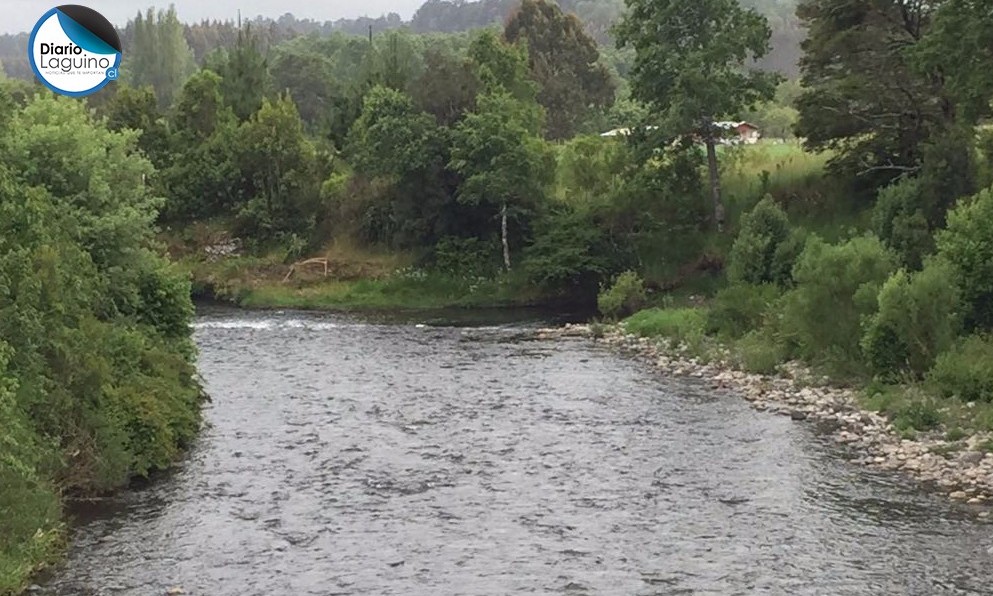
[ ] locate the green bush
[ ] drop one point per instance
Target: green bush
(678, 324)
(97, 380)
(765, 249)
(910, 210)
(740, 308)
(836, 287)
(967, 244)
(466, 257)
(625, 297)
(918, 318)
(590, 169)
(569, 253)
(759, 352)
(29, 505)
(917, 415)
(965, 371)
(901, 223)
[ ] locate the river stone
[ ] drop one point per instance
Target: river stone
(958, 495)
(971, 457)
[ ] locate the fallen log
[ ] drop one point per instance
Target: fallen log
(293, 267)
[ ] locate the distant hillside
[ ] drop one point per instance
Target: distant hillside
(599, 17)
(441, 16)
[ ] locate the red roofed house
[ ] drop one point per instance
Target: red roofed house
(744, 133)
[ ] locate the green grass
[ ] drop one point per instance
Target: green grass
(680, 324)
(22, 558)
(912, 406)
(798, 181)
(757, 353)
(422, 293)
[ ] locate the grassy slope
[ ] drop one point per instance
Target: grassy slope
(358, 279)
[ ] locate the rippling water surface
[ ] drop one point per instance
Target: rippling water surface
(344, 457)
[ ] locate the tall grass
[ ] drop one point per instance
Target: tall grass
(793, 176)
(679, 324)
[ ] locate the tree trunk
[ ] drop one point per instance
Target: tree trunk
(503, 236)
(715, 183)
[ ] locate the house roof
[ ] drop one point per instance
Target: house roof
(735, 125)
(624, 131)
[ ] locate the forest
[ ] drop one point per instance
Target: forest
(457, 160)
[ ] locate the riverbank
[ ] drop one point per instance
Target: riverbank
(960, 468)
(345, 278)
(408, 292)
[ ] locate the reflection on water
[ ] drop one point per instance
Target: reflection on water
(348, 456)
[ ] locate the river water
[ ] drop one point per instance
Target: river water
(344, 456)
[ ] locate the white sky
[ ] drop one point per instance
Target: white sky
(21, 15)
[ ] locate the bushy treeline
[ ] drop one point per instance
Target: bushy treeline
(97, 376)
(426, 144)
(903, 296)
(856, 309)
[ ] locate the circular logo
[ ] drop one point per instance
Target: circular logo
(74, 50)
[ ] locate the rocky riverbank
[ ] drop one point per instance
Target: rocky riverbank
(957, 468)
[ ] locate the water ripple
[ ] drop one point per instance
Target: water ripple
(348, 457)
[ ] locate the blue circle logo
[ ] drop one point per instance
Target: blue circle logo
(74, 50)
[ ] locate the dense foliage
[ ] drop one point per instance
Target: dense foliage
(97, 382)
(469, 168)
(691, 68)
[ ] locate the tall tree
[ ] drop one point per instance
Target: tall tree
(959, 49)
(692, 67)
(158, 54)
(395, 142)
(305, 73)
(447, 88)
(506, 164)
(564, 61)
(201, 178)
(866, 99)
(279, 166)
(137, 109)
(244, 71)
(501, 65)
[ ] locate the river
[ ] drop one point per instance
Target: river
(348, 456)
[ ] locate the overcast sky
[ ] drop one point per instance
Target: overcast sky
(21, 15)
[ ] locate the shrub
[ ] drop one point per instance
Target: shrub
(570, 253)
(917, 415)
(917, 320)
(624, 298)
(29, 502)
(901, 223)
(836, 286)
(908, 211)
(465, 257)
(589, 169)
(759, 352)
(967, 244)
(756, 256)
(785, 257)
(679, 324)
(966, 371)
(740, 308)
